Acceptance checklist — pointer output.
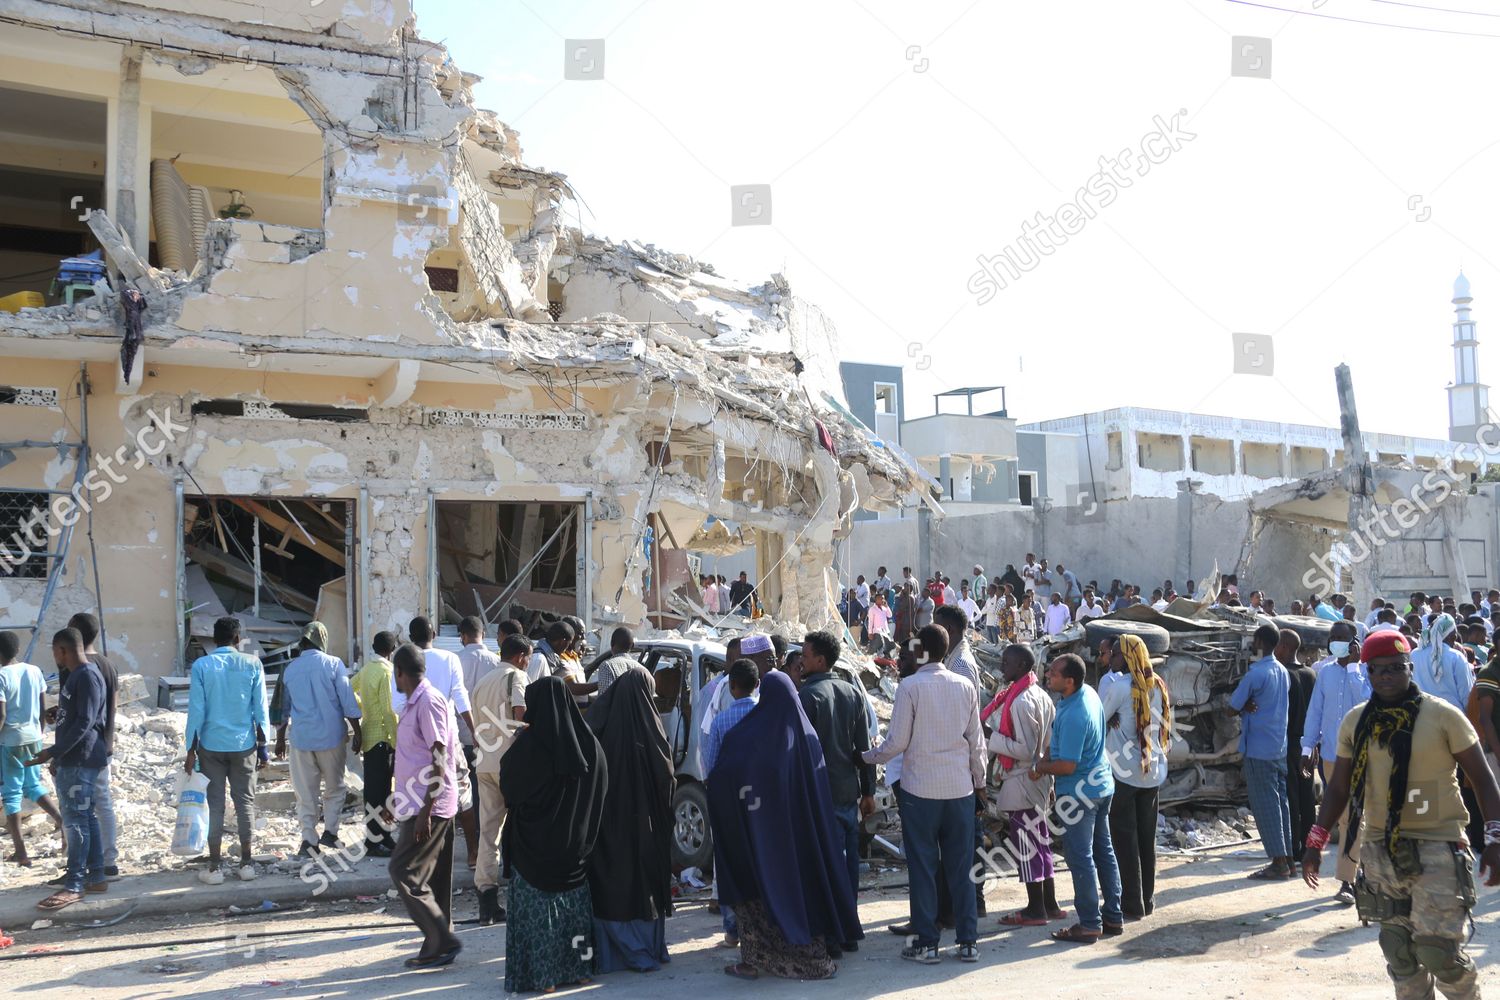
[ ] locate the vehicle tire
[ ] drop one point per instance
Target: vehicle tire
(1312, 630)
(1157, 639)
(692, 843)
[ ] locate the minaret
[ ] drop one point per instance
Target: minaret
(1468, 398)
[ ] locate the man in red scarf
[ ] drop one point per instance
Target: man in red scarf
(1021, 719)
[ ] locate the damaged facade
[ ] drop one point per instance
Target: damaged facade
(376, 377)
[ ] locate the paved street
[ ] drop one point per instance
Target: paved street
(1213, 935)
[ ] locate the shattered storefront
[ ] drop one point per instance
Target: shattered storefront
(334, 355)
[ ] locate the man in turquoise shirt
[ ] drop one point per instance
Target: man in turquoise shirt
(23, 693)
(1085, 785)
(1261, 701)
(225, 738)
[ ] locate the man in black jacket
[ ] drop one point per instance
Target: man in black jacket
(1299, 787)
(80, 752)
(837, 714)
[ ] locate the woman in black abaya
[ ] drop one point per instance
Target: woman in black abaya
(630, 871)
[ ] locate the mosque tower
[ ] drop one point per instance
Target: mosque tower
(1468, 398)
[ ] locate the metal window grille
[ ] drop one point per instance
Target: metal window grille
(19, 558)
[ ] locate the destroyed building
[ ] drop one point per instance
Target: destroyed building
(340, 357)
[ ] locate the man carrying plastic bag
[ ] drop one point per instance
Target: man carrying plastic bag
(225, 738)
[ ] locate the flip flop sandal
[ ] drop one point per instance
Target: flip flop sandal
(1270, 873)
(1016, 920)
(1075, 935)
(739, 971)
(11, 859)
(58, 900)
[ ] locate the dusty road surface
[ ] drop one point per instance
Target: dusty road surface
(1213, 935)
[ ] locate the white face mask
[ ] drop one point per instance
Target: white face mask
(1339, 649)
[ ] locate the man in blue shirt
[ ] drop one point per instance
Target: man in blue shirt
(1261, 701)
(1438, 668)
(225, 738)
(23, 697)
(1329, 610)
(318, 703)
(81, 750)
(1085, 786)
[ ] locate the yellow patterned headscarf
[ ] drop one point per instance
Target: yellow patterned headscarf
(1142, 680)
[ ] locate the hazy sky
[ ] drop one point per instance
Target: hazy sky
(1328, 207)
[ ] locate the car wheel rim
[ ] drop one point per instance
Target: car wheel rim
(691, 827)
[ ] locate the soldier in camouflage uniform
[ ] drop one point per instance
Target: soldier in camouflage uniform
(1395, 771)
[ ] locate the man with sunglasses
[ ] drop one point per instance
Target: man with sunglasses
(1396, 758)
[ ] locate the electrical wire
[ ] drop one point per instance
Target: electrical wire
(1356, 20)
(1445, 10)
(28, 274)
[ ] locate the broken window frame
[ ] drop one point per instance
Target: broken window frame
(356, 561)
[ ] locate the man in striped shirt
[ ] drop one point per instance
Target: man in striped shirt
(935, 726)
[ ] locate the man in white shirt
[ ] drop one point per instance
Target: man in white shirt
(499, 701)
(911, 580)
(967, 602)
(862, 592)
(1158, 600)
(1031, 571)
(950, 596)
(1057, 615)
(710, 595)
(991, 611)
(935, 727)
(883, 581)
(1091, 607)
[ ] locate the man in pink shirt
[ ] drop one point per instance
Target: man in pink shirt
(424, 801)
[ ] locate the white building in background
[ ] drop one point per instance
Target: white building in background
(1136, 451)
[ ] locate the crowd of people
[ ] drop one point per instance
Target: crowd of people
(560, 777)
(1017, 606)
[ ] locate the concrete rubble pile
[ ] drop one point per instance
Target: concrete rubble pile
(148, 757)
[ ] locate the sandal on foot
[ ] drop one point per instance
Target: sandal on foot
(19, 862)
(1076, 935)
(740, 970)
(1270, 873)
(1018, 919)
(59, 899)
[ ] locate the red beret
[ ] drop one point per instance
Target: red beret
(1383, 643)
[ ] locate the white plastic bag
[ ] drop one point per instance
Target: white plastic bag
(190, 837)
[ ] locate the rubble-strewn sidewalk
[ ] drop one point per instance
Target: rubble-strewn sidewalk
(179, 892)
(148, 758)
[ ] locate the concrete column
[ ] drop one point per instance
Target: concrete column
(128, 167)
(1187, 453)
(1185, 490)
(924, 542)
(945, 476)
